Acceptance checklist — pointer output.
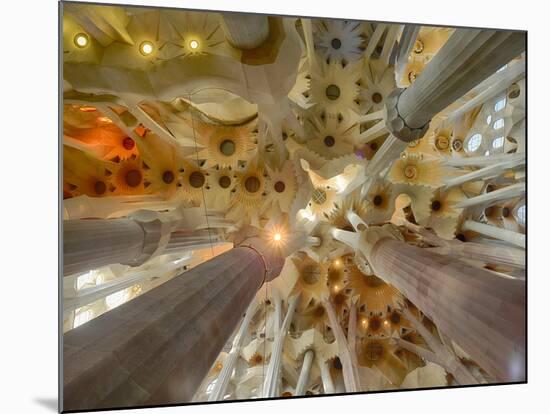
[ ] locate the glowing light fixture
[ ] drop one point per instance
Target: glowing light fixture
(81, 40)
(277, 237)
(146, 48)
(193, 44)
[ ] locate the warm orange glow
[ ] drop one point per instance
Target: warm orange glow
(88, 108)
(277, 237)
(337, 262)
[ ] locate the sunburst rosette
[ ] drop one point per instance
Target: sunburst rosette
(128, 178)
(284, 185)
(416, 169)
(372, 325)
(444, 202)
(194, 34)
(377, 82)
(411, 72)
(162, 162)
(225, 146)
(334, 89)
(83, 174)
(219, 184)
(375, 295)
(311, 281)
(428, 42)
(332, 138)
(441, 140)
(249, 194)
(340, 41)
(193, 181)
(380, 202)
(380, 353)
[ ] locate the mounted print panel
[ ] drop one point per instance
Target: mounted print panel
(263, 206)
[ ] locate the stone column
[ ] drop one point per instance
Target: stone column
(92, 243)
(218, 392)
(482, 312)
(187, 240)
(328, 384)
(493, 197)
(303, 380)
(157, 348)
(274, 368)
(483, 173)
(466, 59)
(88, 244)
(350, 371)
(508, 256)
(509, 236)
(246, 31)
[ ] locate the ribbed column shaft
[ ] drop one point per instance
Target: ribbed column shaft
(480, 311)
(157, 348)
(89, 244)
(508, 256)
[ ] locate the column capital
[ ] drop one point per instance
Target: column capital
(396, 124)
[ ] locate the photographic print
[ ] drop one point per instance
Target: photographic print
(258, 206)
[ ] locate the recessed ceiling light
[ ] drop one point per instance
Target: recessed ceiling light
(146, 48)
(81, 40)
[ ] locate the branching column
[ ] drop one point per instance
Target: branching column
(349, 364)
(467, 58)
(328, 383)
(229, 365)
(482, 312)
(273, 369)
(303, 380)
(157, 348)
